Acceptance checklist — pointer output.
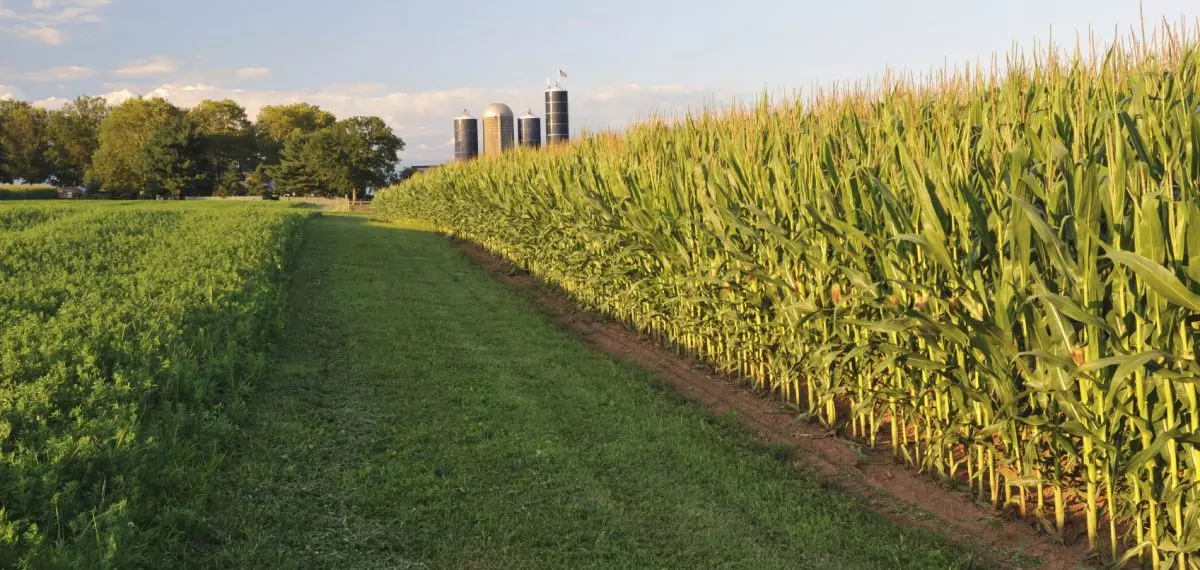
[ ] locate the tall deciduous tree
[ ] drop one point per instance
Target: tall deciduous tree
(278, 123)
(174, 159)
(355, 154)
(342, 159)
(374, 151)
(228, 134)
(73, 133)
(118, 166)
(23, 139)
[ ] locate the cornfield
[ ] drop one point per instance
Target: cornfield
(997, 272)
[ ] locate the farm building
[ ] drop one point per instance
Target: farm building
(72, 193)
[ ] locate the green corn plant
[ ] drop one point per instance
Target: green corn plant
(996, 273)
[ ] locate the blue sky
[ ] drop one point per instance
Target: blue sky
(418, 63)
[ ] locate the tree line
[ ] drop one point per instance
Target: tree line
(148, 147)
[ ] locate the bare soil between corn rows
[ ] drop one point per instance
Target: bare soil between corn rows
(896, 490)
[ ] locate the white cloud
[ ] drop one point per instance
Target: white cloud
(10, 92)
(357, 89)
(45, 5)
(112, 98)
(45, 34)
(251, 72)
(424, 119)
(42, 23)
(119, 96)
(51, 103)
(183, 74)
(160, 65)
(65, 73)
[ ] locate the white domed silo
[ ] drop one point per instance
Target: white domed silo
(498, 128)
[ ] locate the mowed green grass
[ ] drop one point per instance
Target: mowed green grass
(420, 415)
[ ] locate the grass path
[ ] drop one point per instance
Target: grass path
(420, 415)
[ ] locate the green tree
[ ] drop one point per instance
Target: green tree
(3, 153)
(23, 140)
(73, 133)
(356, 154)
(406, 173)
(174, 159)
(373, 154)
(276, 124)
(228, 181)
(258, 182)
(119, 166)
(294, 174)
(229, 138)
(327, 155)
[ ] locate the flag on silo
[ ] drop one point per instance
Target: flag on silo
(562, 74)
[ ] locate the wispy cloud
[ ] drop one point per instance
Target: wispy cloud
(160, 65)
(183, 73)
(252, 72)
(424, 119)
(46, 34)
(44, 20)
(65, 73)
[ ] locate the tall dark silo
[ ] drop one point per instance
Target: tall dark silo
(466, 137)
(557, 122)
(498, 128)
(529, 130)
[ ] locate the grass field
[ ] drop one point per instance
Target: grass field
(419, 415)
(127, 333)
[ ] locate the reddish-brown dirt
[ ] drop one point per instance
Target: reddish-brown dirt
(898, 491)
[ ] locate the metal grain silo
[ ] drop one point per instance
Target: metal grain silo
(529, 130)
(466, 137)
(557, 124)
(497, 128)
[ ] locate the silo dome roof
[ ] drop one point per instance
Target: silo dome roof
(497, 110)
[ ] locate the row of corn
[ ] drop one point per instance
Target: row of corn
(996, 273)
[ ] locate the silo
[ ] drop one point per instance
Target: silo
(497, 128)
(529, 130)
(466, 137)
(557, 124)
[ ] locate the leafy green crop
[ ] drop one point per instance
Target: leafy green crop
(125, 332)
(998, 274)
(38, 192)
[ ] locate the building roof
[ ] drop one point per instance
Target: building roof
(497, 110)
